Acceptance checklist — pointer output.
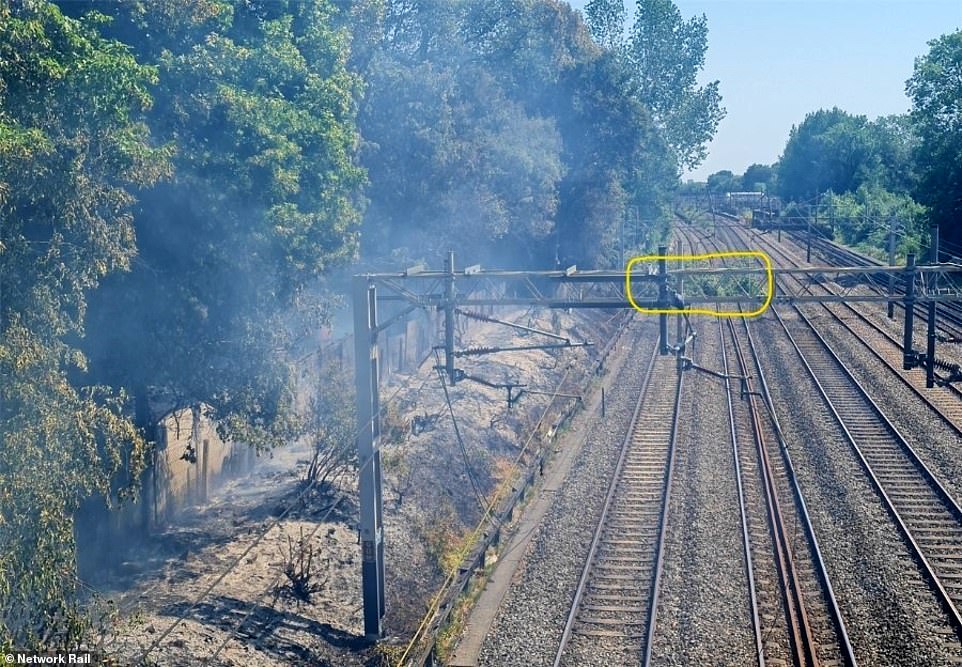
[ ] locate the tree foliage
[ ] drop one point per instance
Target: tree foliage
(829, 150)
(173, 179)
(723, 181)
(863, 219)
(263, 200)
(499, 130)
(863, 170)
(663, 54)
(606, 20)
(936, 93)
(73, 150)
(837, 151)
(178, 180)
(758, 177)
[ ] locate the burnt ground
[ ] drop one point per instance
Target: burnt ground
(211, 587)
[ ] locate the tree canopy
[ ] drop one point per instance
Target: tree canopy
(181, 181)
(936, 116)
(74, 149)
(864, 170)
(837, 151)
(500, 130)
(260, 105)
(663, 54)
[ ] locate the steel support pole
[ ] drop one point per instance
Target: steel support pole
(933, 306)
(369, 456)
(449, 317)
(680, 329)
(891, 305)
(663, 298)
(908, 355)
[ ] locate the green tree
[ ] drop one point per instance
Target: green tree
(829, 150)
(606, 20)
(499, 129)
(723, 181)
(863, 219)
(894, 143)
(614, 159)
(758, 177)
(263, 202)
(663, 54)
(457, 157)
(73, 150)
(454, 164)
(936, 116)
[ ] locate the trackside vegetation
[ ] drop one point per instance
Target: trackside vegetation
(184, 183)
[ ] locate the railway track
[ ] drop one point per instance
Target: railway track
(612, 616)
(798, 618)
(950, 320)
(928, 517)
(887, 348)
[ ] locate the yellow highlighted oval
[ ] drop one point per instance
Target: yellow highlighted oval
(769, 276)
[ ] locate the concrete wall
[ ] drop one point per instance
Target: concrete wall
(189, 461)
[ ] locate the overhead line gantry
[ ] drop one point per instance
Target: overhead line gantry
(451, 292)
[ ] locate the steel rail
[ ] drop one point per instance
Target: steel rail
(742, 510)
(663, 524)
(951, 318)
(803, 644)
(943, 496)
(944, 501)
(848, 653)
(628, 445)
(599, 529)
(896, 368)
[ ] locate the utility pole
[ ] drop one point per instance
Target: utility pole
(808, 245)
(908, 354)
(663, 298)
(930, 348)
(891, 304)
(680, 330)
(449, 317)
(369, 456)
(434, 291)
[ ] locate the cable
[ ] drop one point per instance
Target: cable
(349, 443)
(457, 431)
(436, 602)
(488, 510)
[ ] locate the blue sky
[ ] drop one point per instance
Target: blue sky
(780, 59)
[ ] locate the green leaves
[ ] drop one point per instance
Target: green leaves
(662, 54)
(936, 93)
(262, 201)
(69, 150)
(252, 135)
